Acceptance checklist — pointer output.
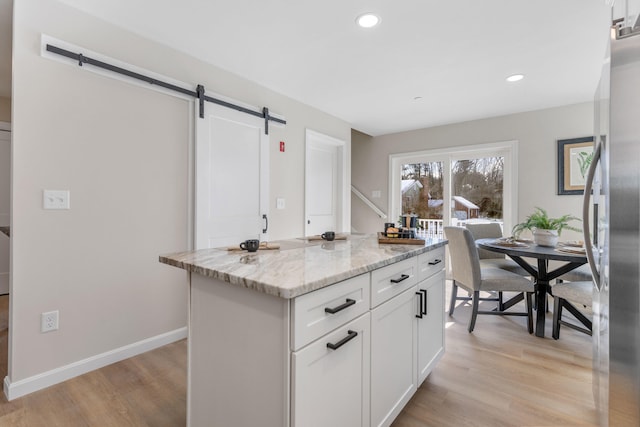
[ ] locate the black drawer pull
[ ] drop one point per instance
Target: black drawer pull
(334, 310)
(343, 341)
(435, 262)
(420, 303)
(402, 277)
(424, 310)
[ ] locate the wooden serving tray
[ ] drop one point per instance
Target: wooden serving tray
(398, 240)
(319, 237)
(264, 246)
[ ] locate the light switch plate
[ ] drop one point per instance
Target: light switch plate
(279, 203)
(375, 194)
(56, 199)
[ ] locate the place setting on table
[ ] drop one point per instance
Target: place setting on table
(572, 247)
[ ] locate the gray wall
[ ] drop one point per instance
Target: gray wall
(121, 150)
(5, 109)
(536, 133)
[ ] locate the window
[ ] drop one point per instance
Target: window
(456, 185)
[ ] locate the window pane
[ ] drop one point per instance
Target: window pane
(422, 194)
(477, 186)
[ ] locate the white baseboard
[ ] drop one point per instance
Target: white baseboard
(13, 390)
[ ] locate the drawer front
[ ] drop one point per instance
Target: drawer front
(316, 313)
(392, 280)
(430, 263)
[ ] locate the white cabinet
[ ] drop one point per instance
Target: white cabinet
(351, 354)
(430, 324)
(393, 357)
(330, 379)
(407, 332)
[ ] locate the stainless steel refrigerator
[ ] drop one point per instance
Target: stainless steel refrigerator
(614, 208)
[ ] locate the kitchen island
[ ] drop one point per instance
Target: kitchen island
(314, 334)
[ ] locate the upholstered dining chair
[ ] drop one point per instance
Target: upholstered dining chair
(580, 274)
(467, 273)
(566, 293)
(489, 258)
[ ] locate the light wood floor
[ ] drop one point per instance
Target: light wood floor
(497, 376)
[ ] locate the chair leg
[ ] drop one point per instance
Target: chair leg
(500, 302)
(474, 311)
(557, 315)
(528, 296)
(454, 295)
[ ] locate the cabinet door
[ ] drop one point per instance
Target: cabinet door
(393, 356)
(431, 325)
(330, 387)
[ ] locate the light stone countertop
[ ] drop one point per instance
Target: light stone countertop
(298, 267)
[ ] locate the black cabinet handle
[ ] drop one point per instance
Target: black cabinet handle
(266, 223)
(343, 341)
(435, 262)
(402, 277)
(424, 310)
(420, 303)
(334, 310)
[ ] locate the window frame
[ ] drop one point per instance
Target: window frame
(506, 149)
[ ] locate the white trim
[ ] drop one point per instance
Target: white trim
(13, 390)
(191, 185)
(509, 149)
(343, 215)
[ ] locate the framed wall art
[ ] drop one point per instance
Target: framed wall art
(574, 157)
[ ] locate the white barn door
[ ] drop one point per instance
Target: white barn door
(232, 178)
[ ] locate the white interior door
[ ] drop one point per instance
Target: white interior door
(5, 188)
(232, 178)
(324, 182)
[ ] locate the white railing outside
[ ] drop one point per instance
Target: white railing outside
(430, 227)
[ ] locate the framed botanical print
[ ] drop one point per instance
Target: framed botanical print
(574, 157)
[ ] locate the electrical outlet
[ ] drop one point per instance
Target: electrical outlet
(55, 199)
(279, 203)
(49, 321)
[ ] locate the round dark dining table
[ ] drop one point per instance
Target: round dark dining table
(540, 273)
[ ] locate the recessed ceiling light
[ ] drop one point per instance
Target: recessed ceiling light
(515, 78)
(368, 20)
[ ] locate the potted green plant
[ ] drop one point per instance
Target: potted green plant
(545, 230)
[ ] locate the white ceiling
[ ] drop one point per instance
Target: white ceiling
(454, 54)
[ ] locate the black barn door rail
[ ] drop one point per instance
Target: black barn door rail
(198, 93)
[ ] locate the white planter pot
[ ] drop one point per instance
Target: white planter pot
(545, 237)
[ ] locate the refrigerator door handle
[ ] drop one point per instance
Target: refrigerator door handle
(585, 214)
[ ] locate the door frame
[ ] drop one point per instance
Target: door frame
(5, 276)
(343, 196)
